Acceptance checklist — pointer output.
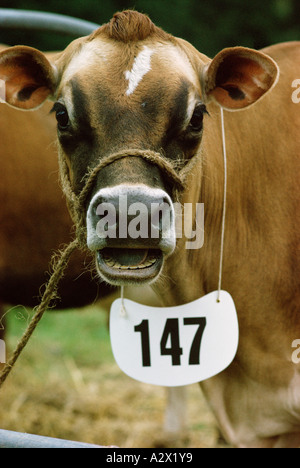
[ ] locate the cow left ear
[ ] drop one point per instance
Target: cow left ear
(238, 77)
(28, 76)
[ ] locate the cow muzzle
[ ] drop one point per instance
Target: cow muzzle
(131, 228)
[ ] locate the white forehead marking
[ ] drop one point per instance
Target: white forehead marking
(141, 66)
(91, 53)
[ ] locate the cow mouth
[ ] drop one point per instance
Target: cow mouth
(121, 265)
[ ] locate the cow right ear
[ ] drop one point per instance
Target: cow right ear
(27, 77)
(238, 77)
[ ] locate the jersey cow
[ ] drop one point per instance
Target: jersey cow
(133, 106)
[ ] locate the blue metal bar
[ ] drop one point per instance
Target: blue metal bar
(10, 439)
(43, 21)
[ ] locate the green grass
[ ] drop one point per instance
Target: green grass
(78, 334)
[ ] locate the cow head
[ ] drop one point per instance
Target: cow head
(126, 89)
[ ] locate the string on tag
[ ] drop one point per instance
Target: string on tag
(122, 310)
(224, 204)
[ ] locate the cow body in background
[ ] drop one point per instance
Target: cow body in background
(130, 90)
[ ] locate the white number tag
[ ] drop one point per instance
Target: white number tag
(171, 346)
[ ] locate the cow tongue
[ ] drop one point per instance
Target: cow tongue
(126, 257)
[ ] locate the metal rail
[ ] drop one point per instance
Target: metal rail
(43, 21)
(10, 439)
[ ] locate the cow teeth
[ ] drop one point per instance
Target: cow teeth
(152, 260)
(147, 263)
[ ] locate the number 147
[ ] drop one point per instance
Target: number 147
(171, 333)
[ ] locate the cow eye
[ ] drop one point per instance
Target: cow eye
(196, 122)
(62, 116)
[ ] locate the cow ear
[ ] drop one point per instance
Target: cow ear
(238, 77)
(27, 77)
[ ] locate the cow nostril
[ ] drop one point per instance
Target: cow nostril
(106, 218)
(161, 218)
(97, 205)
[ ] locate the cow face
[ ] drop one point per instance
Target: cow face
(130, 88)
